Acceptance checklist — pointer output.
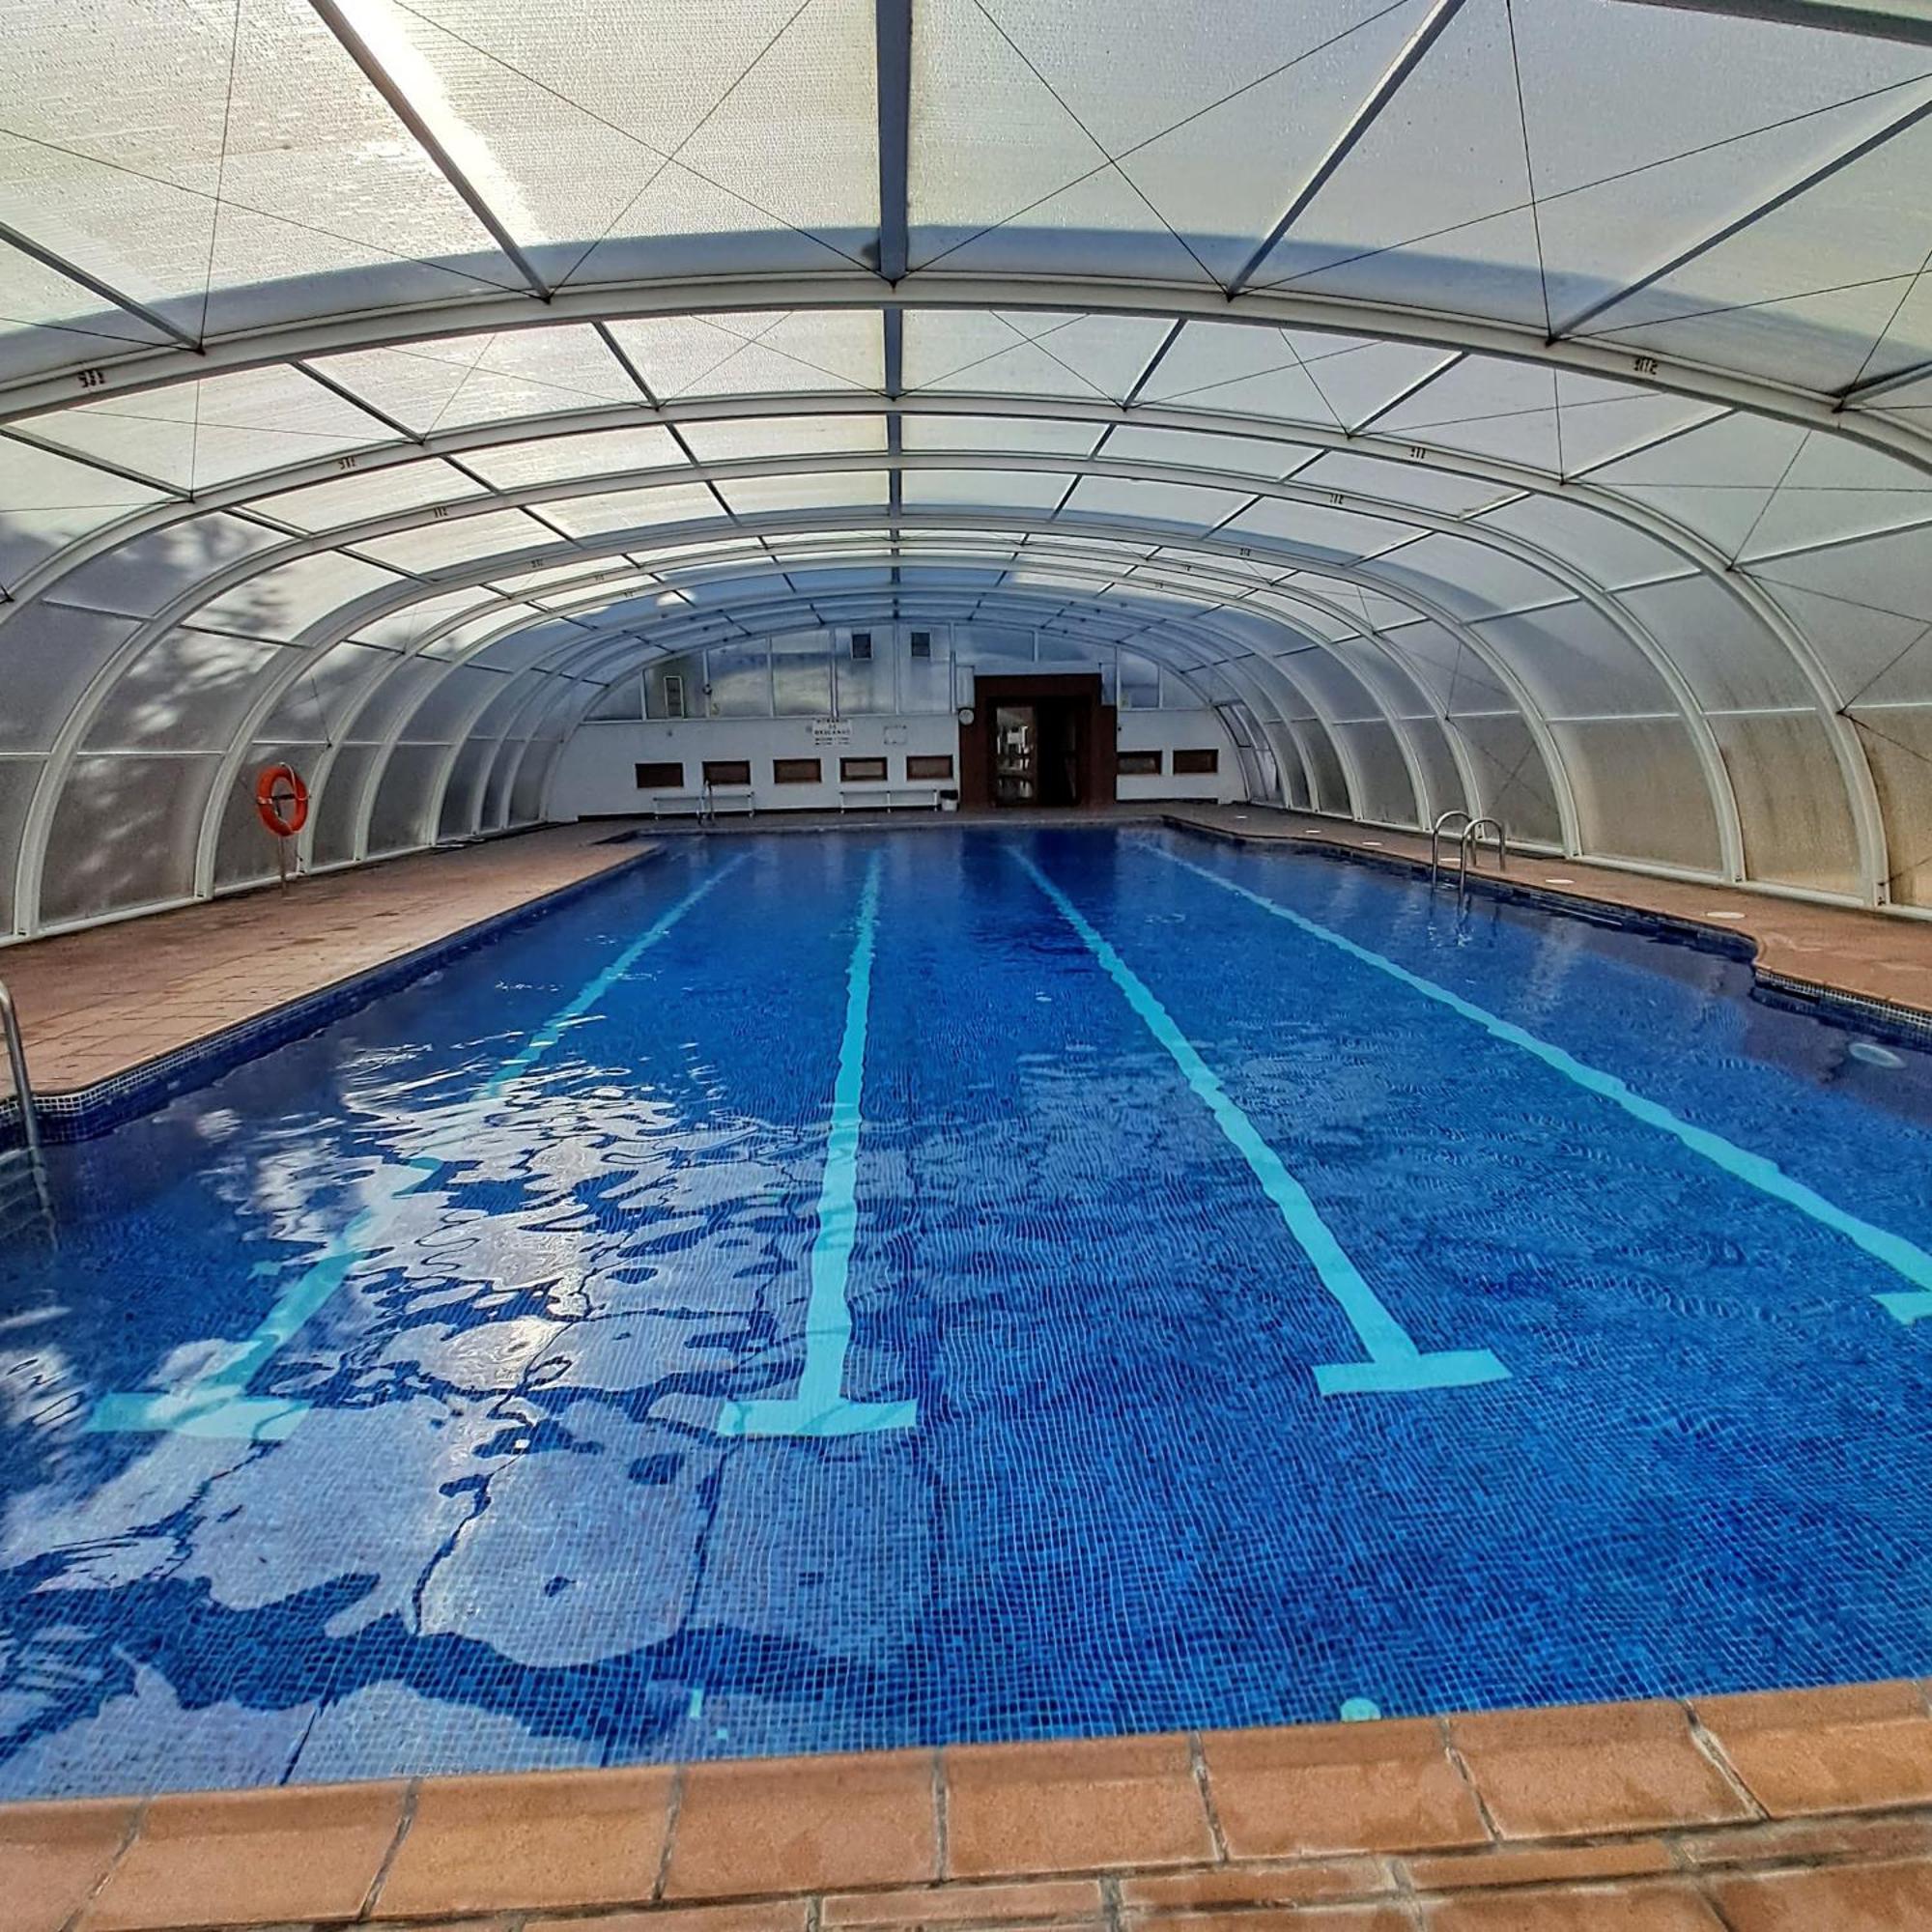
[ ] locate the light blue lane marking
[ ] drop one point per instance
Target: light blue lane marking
(820, 1407)
(212, 1401)
(1893, 1250)
(1394, 1361)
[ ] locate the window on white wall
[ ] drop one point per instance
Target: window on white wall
(674, 695)
(862, 647)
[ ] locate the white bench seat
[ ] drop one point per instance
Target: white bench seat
(887, 797)
(722, 797)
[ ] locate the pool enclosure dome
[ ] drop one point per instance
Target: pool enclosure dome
(1523, 408)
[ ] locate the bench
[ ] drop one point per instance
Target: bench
(722, 798)
(924, 797)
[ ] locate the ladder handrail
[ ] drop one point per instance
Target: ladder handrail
(1471, 844)
(1435, 832)
(16, 1057)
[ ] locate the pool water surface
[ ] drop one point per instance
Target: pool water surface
(845, 1292)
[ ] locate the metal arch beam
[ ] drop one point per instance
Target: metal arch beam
(702, 626)
(1703, 739)
(1044, 548)
(424, 136)
(1866, 812)
(322, 638)
(1407, 60)
(207, 850)
(1862, 800)
(246, 349)
(1898, 124)
(53, 774)
(1479, 647)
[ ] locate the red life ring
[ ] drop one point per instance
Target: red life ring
(282, 800)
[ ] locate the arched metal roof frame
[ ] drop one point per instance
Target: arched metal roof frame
(596, 656)
(145, 369)
(342, 624)
(345, 538)
(1846, 744)
(1895, 102)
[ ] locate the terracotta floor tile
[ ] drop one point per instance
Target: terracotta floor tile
(781, 1915)
(1085, 1805)
(1861, 1747)
(1043, 1902)
(1623, 1858)
(1804, 1839)
(1648, 1908)
(1831, 1898)
(1307, 1882)
(52, 1857)
(1584, 1769)
(250, 1858)
(1315, 1919)
(548, 1841)
(813, 1824)
(1339, 1788)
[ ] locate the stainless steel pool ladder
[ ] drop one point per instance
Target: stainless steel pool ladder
(1472, 845)
(1435, 832)
(24, 1160)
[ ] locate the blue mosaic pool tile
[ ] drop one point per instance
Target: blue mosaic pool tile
(504, 1527)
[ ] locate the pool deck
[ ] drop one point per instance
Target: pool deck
(96, 1003)
(1876, 955)
(1797, 1812)
(1785, 1811)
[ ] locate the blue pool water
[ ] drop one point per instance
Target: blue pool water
(828, 1292)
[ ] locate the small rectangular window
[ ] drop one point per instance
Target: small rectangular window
(728, 771)
(862, 647)
(795, 771)
(666, 777)
(1141, 764)
(673, 693)
(1196, 760)
(932, 765)
(862, 771)
(921, 647)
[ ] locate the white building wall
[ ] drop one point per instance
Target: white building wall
(596, 774)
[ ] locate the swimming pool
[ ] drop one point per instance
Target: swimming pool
(840, 1291)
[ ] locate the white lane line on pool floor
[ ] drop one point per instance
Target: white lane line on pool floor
(1765, 1174)
(1395, 1363)
(213, 1400)
(820, 1406)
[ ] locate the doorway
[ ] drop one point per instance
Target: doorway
(1038, 744)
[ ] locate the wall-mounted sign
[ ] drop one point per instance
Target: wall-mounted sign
(831, 731)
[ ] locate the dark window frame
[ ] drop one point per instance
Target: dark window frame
(652, 775)
(1196, 761)
(877, 771)
(798, 771)
(1138, 764)
(928, 766)
(728, 771)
